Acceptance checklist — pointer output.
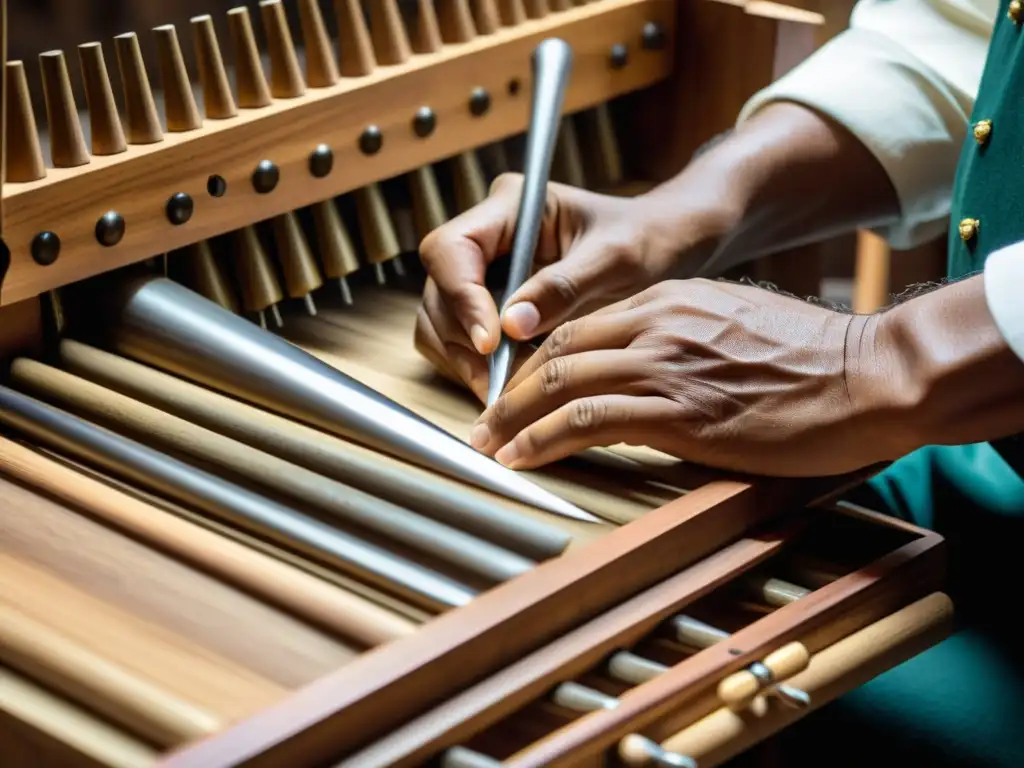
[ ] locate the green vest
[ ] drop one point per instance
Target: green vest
(988, 195)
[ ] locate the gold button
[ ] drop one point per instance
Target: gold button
(1015, 12)
(968, 229)
(982, 130)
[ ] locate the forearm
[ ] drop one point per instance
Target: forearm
(786, 176)
(941, 369)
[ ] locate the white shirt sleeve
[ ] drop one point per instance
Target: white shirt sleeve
(903, 79)
(1004, 278)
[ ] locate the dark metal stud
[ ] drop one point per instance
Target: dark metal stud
(735, 652)
(110, 228)
(321, 161)
(179, 208)
(653, 36)
(216, 186)
(425, 122)
(479, 101)
(5, 261)
(514, 86)
(265, 177)
(45, 248)
(371, 140)
(619, 56)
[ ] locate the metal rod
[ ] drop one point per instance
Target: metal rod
(193, 487)
(552, 64)
(159, 322)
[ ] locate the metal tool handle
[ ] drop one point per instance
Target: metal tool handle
(552, 65)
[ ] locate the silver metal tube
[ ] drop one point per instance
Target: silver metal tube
(166, 325)
(552, 65)
(188, 485)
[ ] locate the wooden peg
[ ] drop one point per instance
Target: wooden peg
(696, 634)
(257, 280)
(115, 691)
(104, 119)
(456, 21)
(321, 70)
(285, 76)
(142, 121)
(355, 48)
(67, 145)
(493, 160)
(218, 101)
(739, 689)
(561, 5)
(427, 204)
(24, 155)
(567, 167)
(486, 16)
(512, 12)
(298, 267)
(337, 253)
(390, 41)
(600, 145)
(536, 9)
(427, 36)
(197, 268)
(180, 108)
(380, 241)
(470, 184)
(253, 90)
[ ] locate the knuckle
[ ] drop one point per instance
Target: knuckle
(500, 411)
(554, 376)
(506, 181)
(565, 288)
(559, 341)
(586, 415)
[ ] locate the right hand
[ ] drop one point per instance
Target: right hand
(593, 250)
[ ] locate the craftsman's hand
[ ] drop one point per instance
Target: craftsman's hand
(593, 249)
(726, 375)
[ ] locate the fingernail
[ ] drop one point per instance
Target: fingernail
(480, 436)
(508, 454)
(478, 335)
(522, 319)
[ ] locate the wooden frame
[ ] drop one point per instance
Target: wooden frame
(139, 182)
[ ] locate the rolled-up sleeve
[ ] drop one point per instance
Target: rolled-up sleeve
(902, 79)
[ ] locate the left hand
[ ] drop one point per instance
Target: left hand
(721, 374)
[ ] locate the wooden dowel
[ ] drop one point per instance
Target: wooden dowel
(428, 206)
(185, 484)
(512, 12)
(196, 267)
(387, 30)
(315, 450)
(218, 101)
(298, 266)
(380, 240)
(250, 79)
(67, 144)
(180, 108)
(255, 273)
(175, 435)
(321, 70)
(456, 21)
(832, 672)
(739, 689)
(427, 37)
(81, 736)
(142, 121)
(286, 80)
(356, 54)
(337, 253)
(486, 16)
(24, 154)
(282, 585)
(137, 704)
(104, 119)
(470, 184)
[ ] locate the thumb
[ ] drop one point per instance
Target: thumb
(556, 292)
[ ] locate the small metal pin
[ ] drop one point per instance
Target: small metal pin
(263, 319)
(276, 314)
(346, 292)
(378, 272)
(399, 266)
(310, 304)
